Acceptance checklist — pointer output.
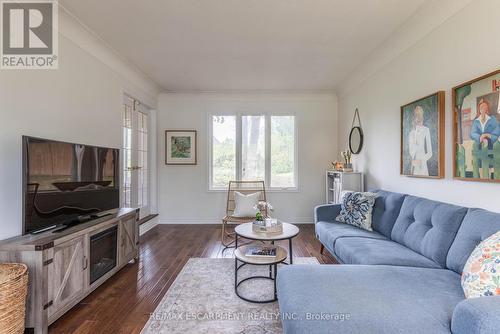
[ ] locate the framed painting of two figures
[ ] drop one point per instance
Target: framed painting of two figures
(476, 132)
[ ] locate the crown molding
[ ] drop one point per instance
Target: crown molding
(426, 19)
(137, 83)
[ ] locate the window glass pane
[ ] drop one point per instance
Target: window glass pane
(253, 147)
(127, 116)
(127, 138)
(126, 196)
(223, 150)
(127, 159)
(283, 151)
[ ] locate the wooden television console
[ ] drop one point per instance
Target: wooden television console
(58, 263)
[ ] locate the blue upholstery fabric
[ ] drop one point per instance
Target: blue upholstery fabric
(327, 212)
(379, 251)
(477, 316)
(478, 225)
(385, 211)
(329, 233)
(393, 286)
(428, 227)
(377, 299)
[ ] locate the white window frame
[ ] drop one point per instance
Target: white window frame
(238, 156)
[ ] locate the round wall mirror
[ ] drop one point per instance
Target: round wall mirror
(356, 140)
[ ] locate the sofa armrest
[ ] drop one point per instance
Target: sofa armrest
(326, 213)
(477, 315)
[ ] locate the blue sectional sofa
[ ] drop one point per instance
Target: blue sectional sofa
(403, 277)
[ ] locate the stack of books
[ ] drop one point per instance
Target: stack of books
(261, 251)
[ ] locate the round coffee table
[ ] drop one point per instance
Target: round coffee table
(272, 262)
(245, 231)
(289, 232)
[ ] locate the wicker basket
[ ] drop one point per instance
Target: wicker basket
(13, 289)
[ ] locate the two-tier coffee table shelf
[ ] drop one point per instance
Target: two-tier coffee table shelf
(245, 231)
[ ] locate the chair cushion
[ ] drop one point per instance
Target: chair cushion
(367, 299)
(478, 225)
(385, 211)
(329, 232)
(428, 227)
(355, 250)
(245, 205)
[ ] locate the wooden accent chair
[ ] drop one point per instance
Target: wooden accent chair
(244, 187)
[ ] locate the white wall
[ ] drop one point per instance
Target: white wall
(465, 46)
(79, 102)
(183, 190)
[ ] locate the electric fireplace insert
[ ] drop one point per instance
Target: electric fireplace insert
(103, 251)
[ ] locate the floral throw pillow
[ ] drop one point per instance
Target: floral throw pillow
(481, 274)
(356, 209)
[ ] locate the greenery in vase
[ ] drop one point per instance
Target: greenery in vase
(259, 217)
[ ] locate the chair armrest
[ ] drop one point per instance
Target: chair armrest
(326, 213)
(477, 315)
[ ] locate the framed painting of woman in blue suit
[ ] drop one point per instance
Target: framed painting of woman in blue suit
(476, 129)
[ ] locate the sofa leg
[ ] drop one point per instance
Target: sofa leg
(321, 249)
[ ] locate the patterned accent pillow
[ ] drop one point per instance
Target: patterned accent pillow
(481, 274)
(356, 209)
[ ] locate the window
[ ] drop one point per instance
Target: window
(253, 147)
(282, 151)
(223, 150)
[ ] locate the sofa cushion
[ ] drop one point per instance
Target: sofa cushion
(367, 299)
(478, 225)
(385, 211)
(379, 251)
(329, 232)
(357, 209)
(481, 275)
(428, 227)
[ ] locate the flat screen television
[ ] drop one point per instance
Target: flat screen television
(65, 184)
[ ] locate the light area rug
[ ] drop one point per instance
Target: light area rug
(202, 300)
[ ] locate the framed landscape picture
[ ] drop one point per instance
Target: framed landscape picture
(422, 137)
(476, 129)
(180, 147)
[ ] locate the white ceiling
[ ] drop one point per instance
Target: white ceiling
(224, 45)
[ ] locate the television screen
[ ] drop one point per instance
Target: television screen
(64, 182)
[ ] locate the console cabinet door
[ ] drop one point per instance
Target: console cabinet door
(128, 239)
(66, 274)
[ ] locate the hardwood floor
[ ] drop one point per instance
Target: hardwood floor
(124, 302)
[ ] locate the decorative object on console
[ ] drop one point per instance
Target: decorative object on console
(476, 129)
(180, 147)
(481, 274)
(338, 166)
(13, 291)
(422, 137)
(347, 158)
(356, 136)
(356, 209)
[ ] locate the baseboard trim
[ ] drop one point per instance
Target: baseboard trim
(213, 222)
